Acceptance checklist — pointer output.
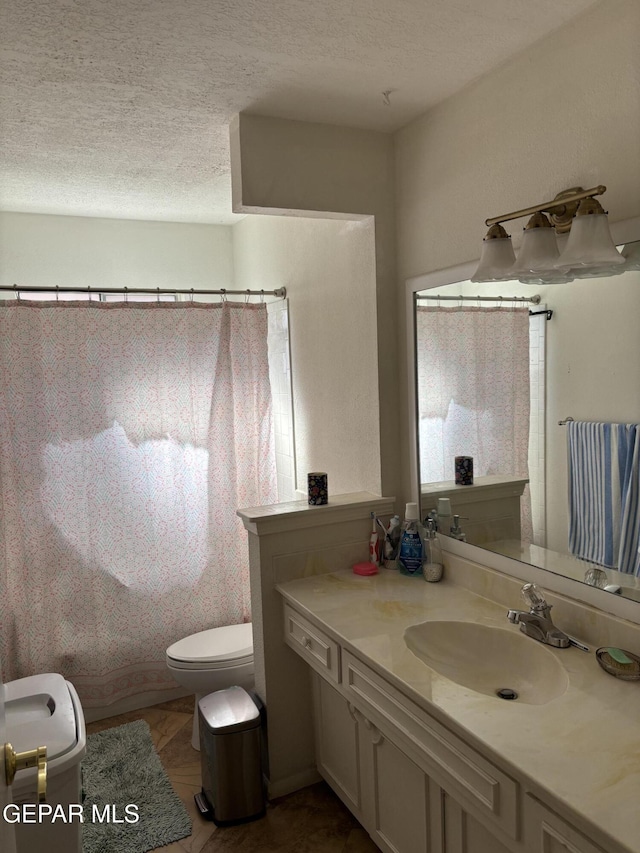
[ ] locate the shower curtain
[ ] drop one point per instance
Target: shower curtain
(130, 433)
(473, 393)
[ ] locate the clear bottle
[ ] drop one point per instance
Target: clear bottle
(410, 552)
(432, 563)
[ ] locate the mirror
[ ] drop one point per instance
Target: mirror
(504, 392)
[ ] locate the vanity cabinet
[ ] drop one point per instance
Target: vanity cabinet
(551, 834)
(413, 784)
(462, 833)
(381, 786)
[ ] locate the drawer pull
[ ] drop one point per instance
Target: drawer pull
(319, 651)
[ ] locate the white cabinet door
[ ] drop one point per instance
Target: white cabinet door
(463, 833)
(337, 744)
(384, 789)
(549, 833)
(396, 792)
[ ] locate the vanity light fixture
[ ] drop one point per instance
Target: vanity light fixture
(589, 250)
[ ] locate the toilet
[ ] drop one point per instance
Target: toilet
(212, 660)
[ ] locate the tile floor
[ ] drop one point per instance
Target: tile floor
(309, 821)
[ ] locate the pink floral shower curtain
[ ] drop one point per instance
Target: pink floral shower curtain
(474, 393)
(130, 433)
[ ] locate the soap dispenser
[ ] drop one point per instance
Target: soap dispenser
(432, 562)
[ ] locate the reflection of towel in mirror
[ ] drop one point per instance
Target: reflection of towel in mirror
(604, 494)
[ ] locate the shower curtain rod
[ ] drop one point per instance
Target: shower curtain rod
(534, 299)
(280, 292)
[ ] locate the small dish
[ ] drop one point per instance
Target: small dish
(619, 663)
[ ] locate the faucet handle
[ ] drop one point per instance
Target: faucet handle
(533, 597)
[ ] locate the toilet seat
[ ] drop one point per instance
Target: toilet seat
(215, 648)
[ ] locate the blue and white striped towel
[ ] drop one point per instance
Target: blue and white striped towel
(604, 494)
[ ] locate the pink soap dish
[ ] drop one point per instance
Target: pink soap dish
(365, 569)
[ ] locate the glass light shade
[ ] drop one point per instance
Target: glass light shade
(631, 255)
(590, 250)
(496, 260)
(537, 257)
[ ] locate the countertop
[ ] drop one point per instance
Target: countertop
(583, 747)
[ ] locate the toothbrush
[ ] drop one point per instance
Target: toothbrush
(380, 524)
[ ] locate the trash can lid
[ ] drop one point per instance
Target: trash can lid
(229, 710)
(39, 712)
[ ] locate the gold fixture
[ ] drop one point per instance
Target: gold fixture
(15, 761)
(562, 208)
(585, 250)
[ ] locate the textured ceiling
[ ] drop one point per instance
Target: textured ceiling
(120, 108)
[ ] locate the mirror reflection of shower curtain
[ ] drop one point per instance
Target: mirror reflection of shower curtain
(129, 435)
(474, 393)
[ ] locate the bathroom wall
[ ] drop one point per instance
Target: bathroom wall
(593, 372)
(43, 250)
(282, 396)
(293, 169)
(328, 269)
(285, 543)
(565, 112)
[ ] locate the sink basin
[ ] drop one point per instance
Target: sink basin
(489, 660)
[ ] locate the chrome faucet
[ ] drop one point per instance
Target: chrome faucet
(537, 623)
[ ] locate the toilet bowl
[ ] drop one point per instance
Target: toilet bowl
(212, 660)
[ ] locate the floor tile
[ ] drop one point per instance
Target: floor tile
(359, 841)
(185, 705)
(312, 820)
(163, 724)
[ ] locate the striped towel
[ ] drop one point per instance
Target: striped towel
(604, 494)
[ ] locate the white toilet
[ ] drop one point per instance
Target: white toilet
(212, 660)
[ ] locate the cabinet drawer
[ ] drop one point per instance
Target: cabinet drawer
(312, 644)
(549, 833)
(475, 782)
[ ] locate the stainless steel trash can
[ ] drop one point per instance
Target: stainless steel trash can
(230, 751)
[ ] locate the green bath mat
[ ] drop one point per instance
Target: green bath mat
(122, 769)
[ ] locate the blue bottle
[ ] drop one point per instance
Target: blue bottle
(411, 547)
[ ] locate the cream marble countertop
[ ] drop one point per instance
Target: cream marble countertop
(582, 747)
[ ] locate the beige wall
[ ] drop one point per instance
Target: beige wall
(328, 268)
(302, 169)
(563, 113)
(593, 372)
(41, 250)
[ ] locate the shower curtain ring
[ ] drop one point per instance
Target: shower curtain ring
(57, 293)
(157, 294)
(223, 293)
(246, 299)
(262, 297)
(89, 291)
(126, 294)
(191, 296)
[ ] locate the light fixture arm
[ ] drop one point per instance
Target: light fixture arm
(562, 208)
